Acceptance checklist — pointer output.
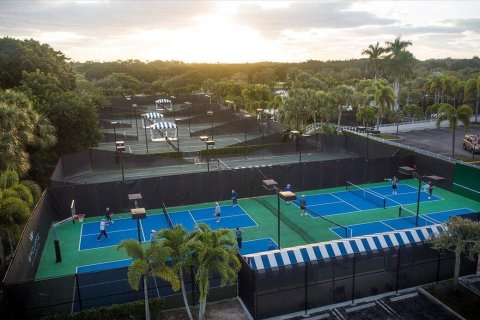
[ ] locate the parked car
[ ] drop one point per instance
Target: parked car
(470, 143)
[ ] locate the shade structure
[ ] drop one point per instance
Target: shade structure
(163, 125)
(339, 248)
(161, 103)
(153, 115)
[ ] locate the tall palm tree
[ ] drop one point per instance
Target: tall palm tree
(400, 63)
(366, 115)
(214, 251)
(177, 241)
(375, 55)
(472, 91)
(453, 116)
(147, 260)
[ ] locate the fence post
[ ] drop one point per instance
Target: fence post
(306, 288)
(398, 270)
(79, 294)
(353, 278)
(438, 266)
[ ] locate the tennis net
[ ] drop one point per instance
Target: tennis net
(167, 216)
(171, 144)
(345, 229)
(367, 194)
(411, 217)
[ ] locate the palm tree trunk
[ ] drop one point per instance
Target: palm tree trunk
(201, 310)
(145, 294)
(184, 294)
(396, 92)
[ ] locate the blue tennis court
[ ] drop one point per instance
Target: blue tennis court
(363, 199)
(400, 223)
(126, 228)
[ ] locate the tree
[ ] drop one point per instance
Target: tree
(366, 115)
(343, 97)
(147, 261)
(21, 129)
(384, 99)
(214, 251)
(472, 91)
(400, 64)
(462, 236)
(375, 55)
(177, 241)
(453, 116)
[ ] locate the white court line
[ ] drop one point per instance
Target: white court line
(351, 205)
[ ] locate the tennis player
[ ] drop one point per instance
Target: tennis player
(303, 204)
(108, 215)
(394, 181)
(103, 224)
(428, 189)
(218, 212)
(234, 197)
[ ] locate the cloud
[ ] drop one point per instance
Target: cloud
(307, 15)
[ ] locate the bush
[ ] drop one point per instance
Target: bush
(8, 178)
(34, 188)
(15, 209)
(23, 193)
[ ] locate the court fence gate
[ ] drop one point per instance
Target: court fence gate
(314, 284)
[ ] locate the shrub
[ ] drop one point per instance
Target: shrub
(8, 178)
(23, 193)
(34, 188)
(16, 209)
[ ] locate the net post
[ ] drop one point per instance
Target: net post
(400, 211)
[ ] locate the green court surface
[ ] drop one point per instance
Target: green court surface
(295, 229)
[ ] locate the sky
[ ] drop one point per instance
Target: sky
(242, 31)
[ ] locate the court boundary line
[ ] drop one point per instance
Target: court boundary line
(92, 234)
(382, 221)
(347, 202)
(95, 264)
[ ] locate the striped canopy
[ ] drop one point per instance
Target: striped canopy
(163, 101)
(328, 250)
(283, 93)
(163, 125)
(153, 115)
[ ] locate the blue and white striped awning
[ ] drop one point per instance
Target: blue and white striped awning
(163, 101)
(338, 248)
(153, 115)
(163, 125)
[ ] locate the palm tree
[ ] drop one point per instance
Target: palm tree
(213, 252)
(400, 62)
(384, 99)
(177, 241)
(472, 91)
(147, 261)
(366, 115)
(375, 54)
(453, 116)
(343, 97)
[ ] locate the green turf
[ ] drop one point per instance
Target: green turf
(295, 230)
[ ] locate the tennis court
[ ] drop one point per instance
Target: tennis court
(332, 214)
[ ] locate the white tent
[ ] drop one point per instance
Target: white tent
(160, 104)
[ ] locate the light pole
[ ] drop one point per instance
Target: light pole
(114, 123)
(119, 147)
(173, 106)
(271, 184)
(259, 112)
(297, 143)
(433, 178)
(247, 116)
(146, 137)
(209, 97)
(207, 143)
(210, 113)
(188, 108)
(134, 106)
(178, 137)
